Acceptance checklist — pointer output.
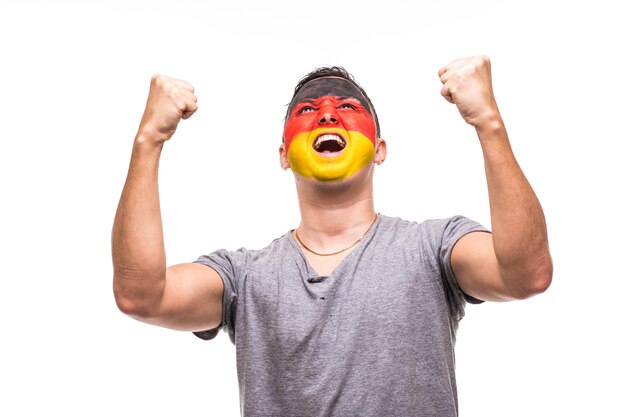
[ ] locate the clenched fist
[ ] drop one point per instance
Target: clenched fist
(467, 83)
(169, 101)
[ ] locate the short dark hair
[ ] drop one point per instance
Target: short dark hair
(339, 72)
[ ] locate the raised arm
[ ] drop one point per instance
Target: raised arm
(514, 261)
(183, 297)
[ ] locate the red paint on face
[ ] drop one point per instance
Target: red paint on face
(329, 111)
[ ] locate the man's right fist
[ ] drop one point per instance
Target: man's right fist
(169, 101)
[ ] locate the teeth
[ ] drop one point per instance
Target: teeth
(329, 137)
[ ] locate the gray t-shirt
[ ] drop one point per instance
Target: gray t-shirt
(375, 338)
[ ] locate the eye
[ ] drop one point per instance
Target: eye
(305, 109)
(346, 106)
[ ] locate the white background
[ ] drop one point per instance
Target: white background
(73, 81)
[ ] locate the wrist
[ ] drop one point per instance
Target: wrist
(146, 151)
(146, 141)
(489, 125)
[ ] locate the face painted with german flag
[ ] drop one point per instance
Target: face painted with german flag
(330, 133)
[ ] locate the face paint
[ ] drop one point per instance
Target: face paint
(330, 133)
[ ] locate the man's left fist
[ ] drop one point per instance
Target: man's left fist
(467, 83)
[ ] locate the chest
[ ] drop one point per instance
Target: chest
(307, 305)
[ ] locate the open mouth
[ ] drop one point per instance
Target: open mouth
(329, 143)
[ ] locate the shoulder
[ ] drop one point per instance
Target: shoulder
(430, 227)
(430, 235)
(225, 259)
(452, 228)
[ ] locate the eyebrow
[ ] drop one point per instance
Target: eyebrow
(339, 98)
(348, 98)
(306, 100)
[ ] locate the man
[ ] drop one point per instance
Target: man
(353, 312)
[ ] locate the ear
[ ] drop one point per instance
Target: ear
(381, 151)
(282, 152)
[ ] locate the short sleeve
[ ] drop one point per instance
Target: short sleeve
(229, 265)
(454, 229)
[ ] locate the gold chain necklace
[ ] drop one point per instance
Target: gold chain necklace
(353, 244)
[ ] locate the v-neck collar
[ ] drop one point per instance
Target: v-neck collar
(313, 276)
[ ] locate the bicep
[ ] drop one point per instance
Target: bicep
(476, 269)
(192, 298)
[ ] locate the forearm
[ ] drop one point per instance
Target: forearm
(137, 238)
(519, 228)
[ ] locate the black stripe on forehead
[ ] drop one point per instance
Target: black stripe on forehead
(330, 86)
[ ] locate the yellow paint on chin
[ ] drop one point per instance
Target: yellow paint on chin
(358, 153)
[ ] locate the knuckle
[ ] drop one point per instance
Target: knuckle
(171, 92)
(157, 79)
(180, 104)
(472, 68)
(482, 61)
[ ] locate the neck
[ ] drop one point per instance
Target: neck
(334, 215)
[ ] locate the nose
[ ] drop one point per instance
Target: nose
(328, 115)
